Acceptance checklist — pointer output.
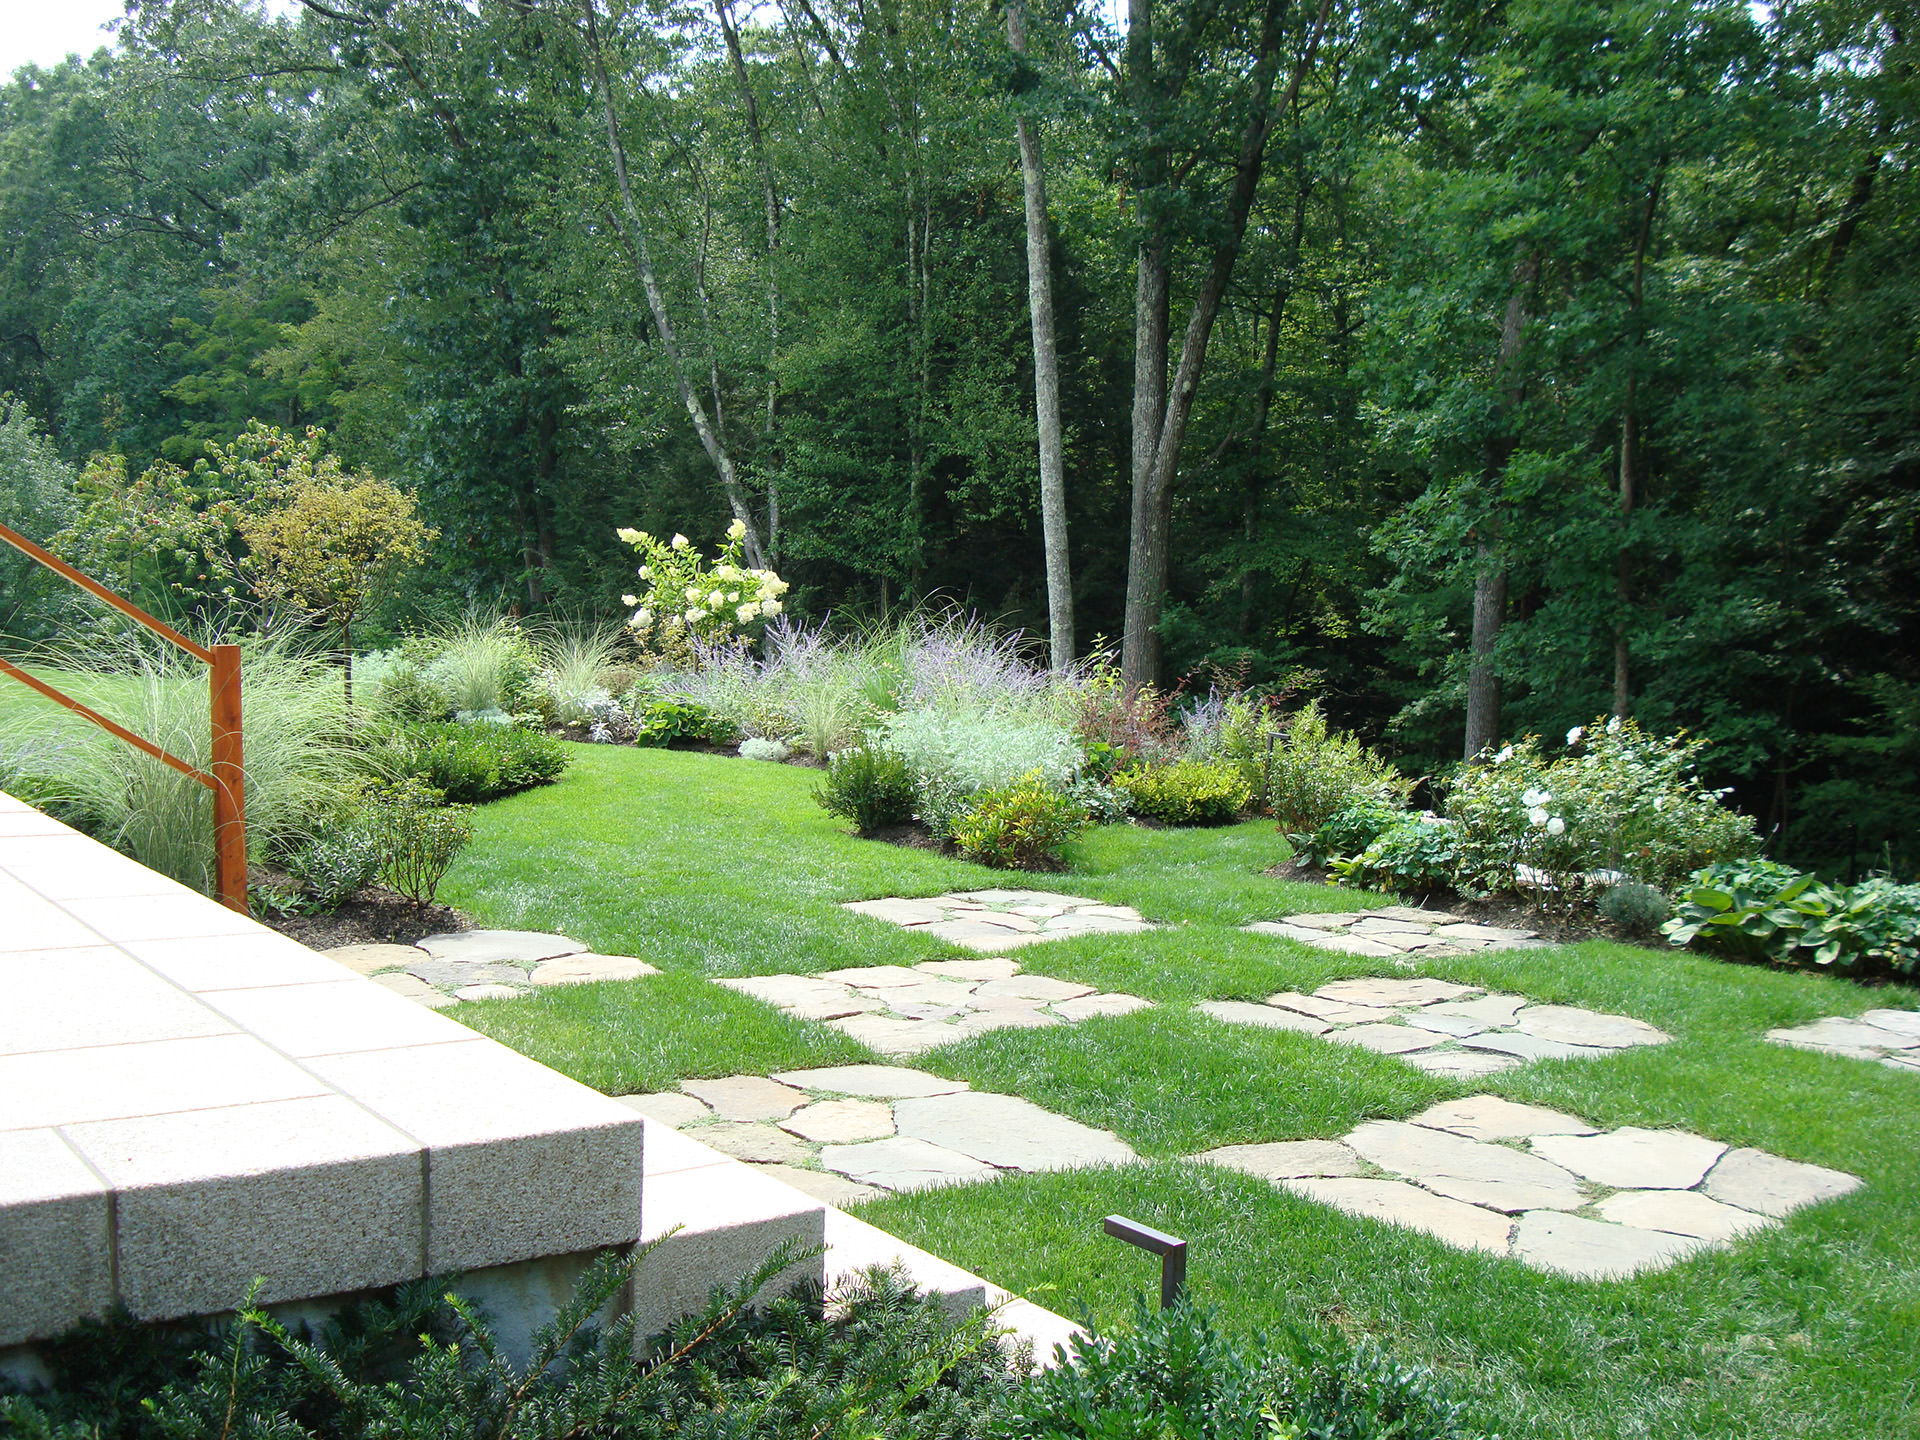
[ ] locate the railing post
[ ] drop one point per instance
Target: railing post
(229, 779)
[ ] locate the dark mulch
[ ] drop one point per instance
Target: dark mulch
(372, 917)
(912, 835)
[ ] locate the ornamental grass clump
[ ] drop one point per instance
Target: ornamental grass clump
(576, 670)
(484, 667)
(1023, 826)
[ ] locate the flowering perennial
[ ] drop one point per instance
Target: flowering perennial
(685, 602)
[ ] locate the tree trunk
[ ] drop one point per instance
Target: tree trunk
(1630, 460)
(1046, 374)
(1148, 546)
(641, 258)
(1490, 572)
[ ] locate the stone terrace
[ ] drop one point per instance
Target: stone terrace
(188, 1100)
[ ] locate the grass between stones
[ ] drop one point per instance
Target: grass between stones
(706, 866)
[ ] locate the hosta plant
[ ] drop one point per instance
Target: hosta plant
(1760, 910)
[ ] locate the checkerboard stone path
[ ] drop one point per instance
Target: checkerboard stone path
(898, 1010)
(1890, 1036)
(850, 1132)
(484, 965)
(996, 920)
(1544, 1187)
(1441, 1027)
(1398, 932)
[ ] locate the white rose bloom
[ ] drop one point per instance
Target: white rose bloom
(1535, 797)
(737, 530)
(679, 542)
(1505, 755)
(1573, 735)
(1537, 815)
(629, 600)
(770, 608)
(746, 613)
(1556, 826)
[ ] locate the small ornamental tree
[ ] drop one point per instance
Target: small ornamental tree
(686, 604)
(329, 543)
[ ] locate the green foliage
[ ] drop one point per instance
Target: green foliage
(340, 860)
(1350, 831)
(1174, 1373)
(1618, 800)
(1634, 908)
(1317, 771)
(886, 1364)
(667, 722)
(36, 499)
(1761, 910)
(868, 785)
(302, 752)
(409, 697)
(1419, 854)
(480, 761)
(1186, 792)
(483, 666)
(954, 755)
(419, 835)
(1023, 826)
(577, 670)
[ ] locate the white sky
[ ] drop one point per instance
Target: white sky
(45, 32)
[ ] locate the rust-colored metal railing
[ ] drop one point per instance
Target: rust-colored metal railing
(224, 776)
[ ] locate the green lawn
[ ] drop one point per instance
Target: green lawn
(707, 866)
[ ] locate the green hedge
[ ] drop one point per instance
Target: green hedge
(474, 763)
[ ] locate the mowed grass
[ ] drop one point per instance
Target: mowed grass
(707, 866)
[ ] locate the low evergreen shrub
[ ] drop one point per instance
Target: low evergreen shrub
(869, 786)
(418, 834)
(1023, 826)
(471, 764)
(1187, 792)
(406, 696)
(1634, 909)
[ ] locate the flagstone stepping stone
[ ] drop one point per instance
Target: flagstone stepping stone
(1680, 1212)
(753, 1140)
(1492, 1010)
(667, 1107)
(1242, 1012)
(1495, 933)
(449, 973)
(1390, 993)
(1007, 1131)
(903, 1011)
(1355, 945)
(822, 1185)
(1402, 930)
(1631, 1158)
(1467, 1226)
(1854, 1039)
(1901, 1022)
(1302, 933)
(977, 971)
(1462, 1064)
(1378, 924)
(1330, 921)
(1334, 1012)
(372, 959)
(411, 986)
(1414, 913)
(1574, 1026)
(904, 1163)
(1286, 1159)
(1769, 1185)
(1591, 1204)
(841, 1122)
(877, 1082)
(1088, 1006)
(746, 1097)
(1461, 1169)
(585, 969)
(1452, 1025)
(488, 992)
(512, 947)
(1532, 1047)
(1385, 1039)
(998, 920)
(1594, 1250)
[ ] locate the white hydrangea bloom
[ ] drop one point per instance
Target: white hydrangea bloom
(746, 613)
(629, 600)
(630, 536)
(770, 608)
(737, 530)
(679, 542)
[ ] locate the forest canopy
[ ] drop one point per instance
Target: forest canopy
(1476, 367)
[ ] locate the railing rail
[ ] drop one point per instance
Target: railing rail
(225, 775)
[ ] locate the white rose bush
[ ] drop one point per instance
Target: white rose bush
(684, 601)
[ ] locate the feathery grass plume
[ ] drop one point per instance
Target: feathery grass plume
(576, 659)
(485, 664)
(302, 758)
